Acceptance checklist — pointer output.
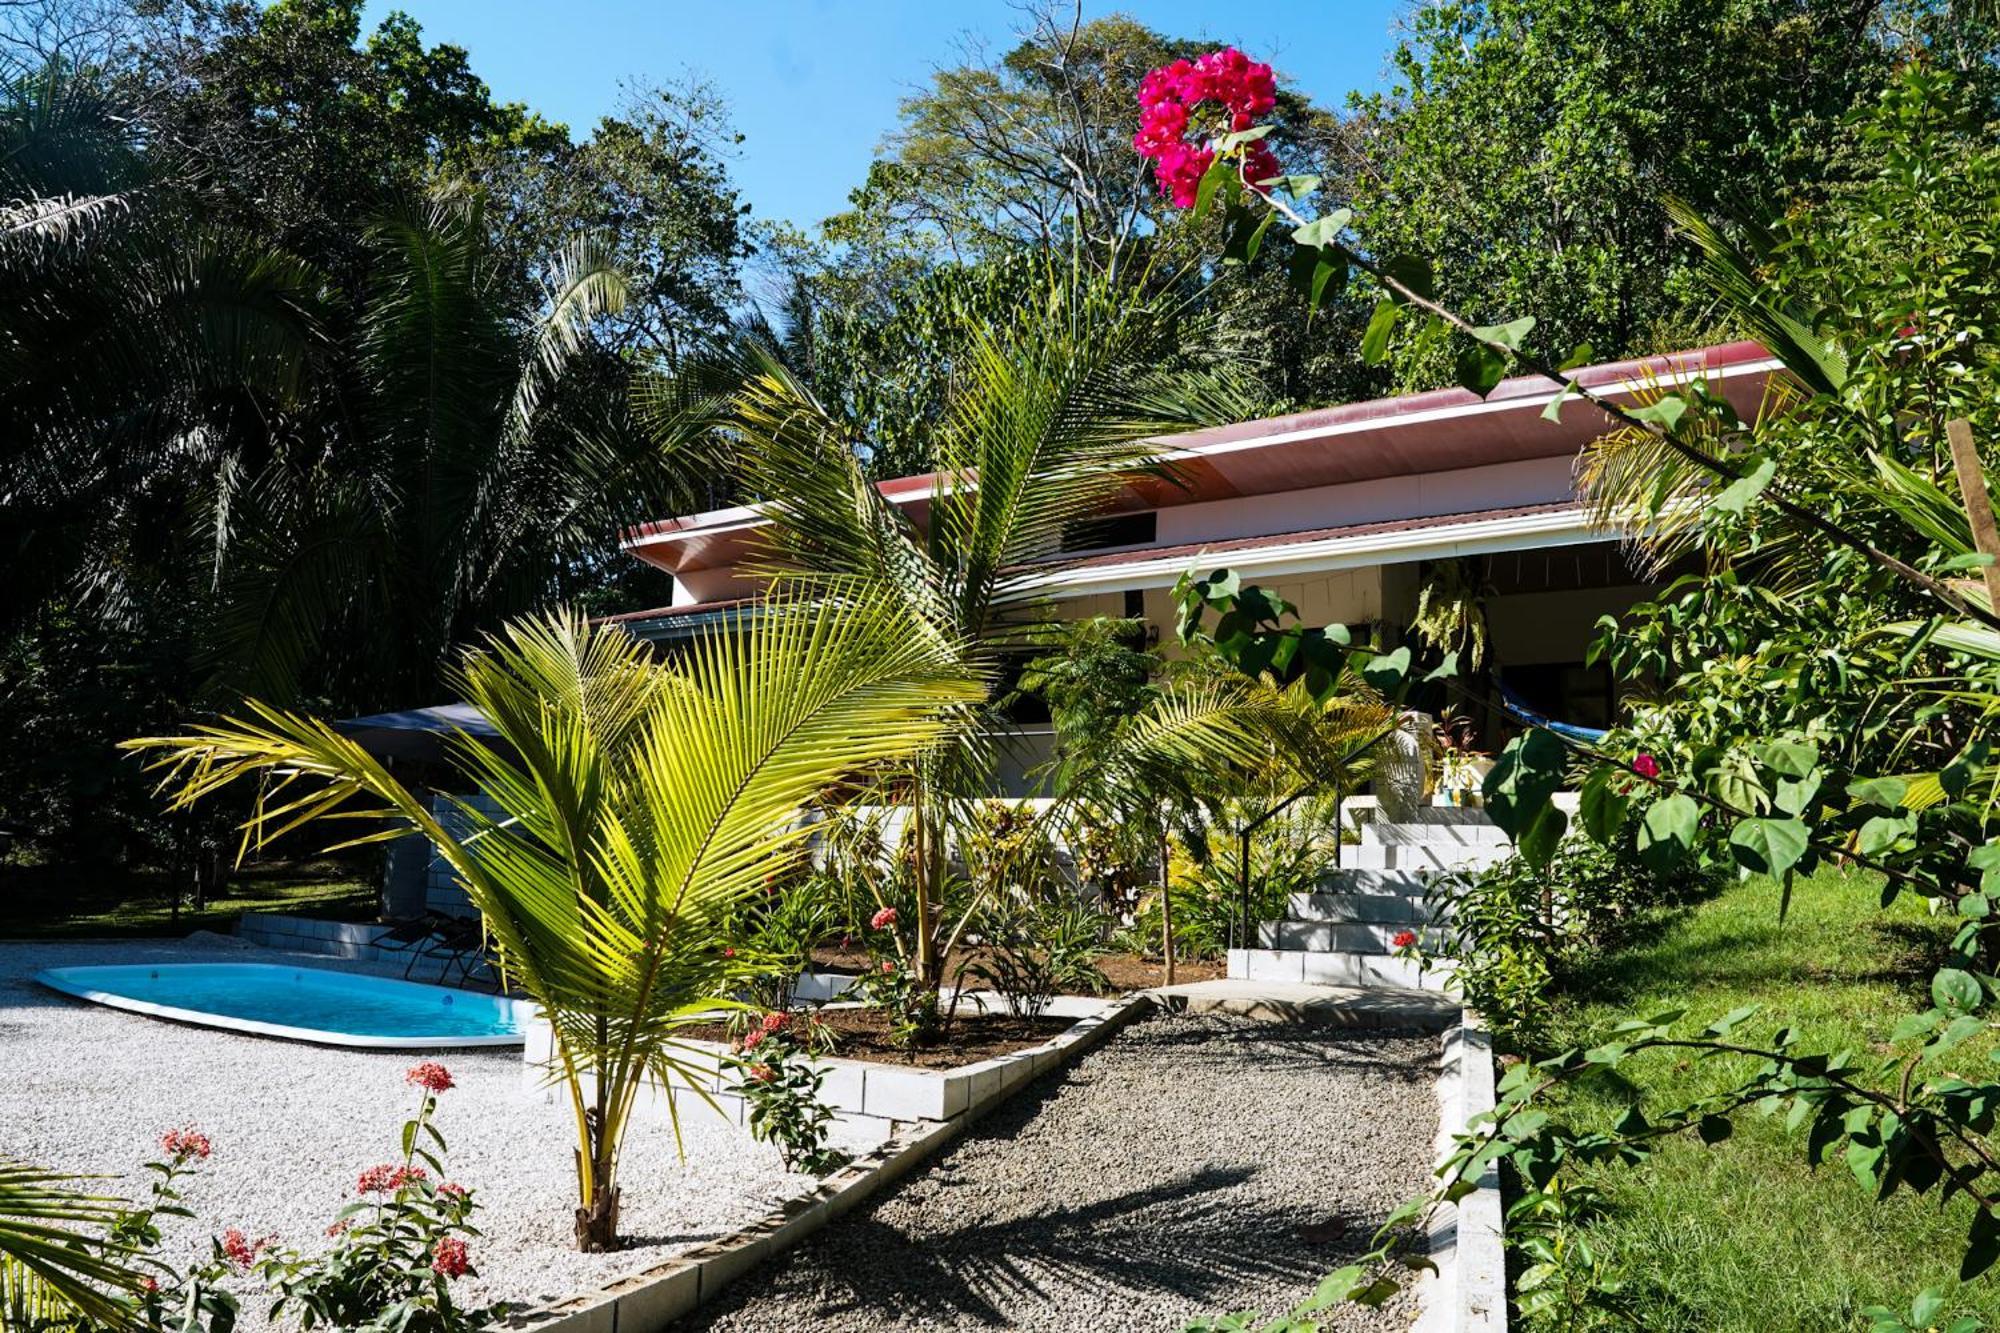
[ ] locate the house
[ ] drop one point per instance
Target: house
(1345, 511)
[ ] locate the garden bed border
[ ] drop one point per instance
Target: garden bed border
(649, 1300)
(1468, 1291)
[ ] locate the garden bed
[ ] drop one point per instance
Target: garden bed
(865, 1033)
(1125, 972)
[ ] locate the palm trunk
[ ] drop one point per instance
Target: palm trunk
(1166, 910)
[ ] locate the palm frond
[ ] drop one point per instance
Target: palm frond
(49, 1267)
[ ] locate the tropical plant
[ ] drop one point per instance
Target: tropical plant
(779, 1078)
(638, 806)
(53, 1275)
(1054, 414)
(397, 1246)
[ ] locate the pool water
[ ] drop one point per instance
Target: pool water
(300, 1003)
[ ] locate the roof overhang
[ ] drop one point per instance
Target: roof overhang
(1443, 430)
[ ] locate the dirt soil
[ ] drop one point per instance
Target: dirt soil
(1126, 972)
(863, 1034)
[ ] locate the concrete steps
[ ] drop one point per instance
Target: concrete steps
(1343, 934)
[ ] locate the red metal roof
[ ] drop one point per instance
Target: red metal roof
(1438, 431)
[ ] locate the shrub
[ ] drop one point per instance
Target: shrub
(781, 1081)
(1036, 951)
(1512, 935)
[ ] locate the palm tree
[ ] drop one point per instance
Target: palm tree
(1048, 420)
(53, 1274)
(638, 805)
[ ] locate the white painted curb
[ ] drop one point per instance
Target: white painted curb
(1468, 1293)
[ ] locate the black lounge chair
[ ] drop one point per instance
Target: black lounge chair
(455, 944)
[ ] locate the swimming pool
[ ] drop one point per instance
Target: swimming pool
(300, 1003)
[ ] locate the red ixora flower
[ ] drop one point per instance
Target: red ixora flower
(450, 1258)
(453, 1190)
(728, 952)
(185, 1144)
(1244, 88)
(240, 1249)
(776, 1020)
(1405, 938)
(432, 1076)
(763, 1073)
(149, 1284)
(888, 968)
(1646, 766)
(388, 1179)
(883, 919)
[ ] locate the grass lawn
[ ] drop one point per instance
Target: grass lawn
(54, 901)
(1744, 1235)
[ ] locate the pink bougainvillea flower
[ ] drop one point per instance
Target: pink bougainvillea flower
(431, 1076)
(1405, 938)
(883, 919)
(1646, 766)
(451, 1258)
(763, 1073)
(185, 1144)
(1245, 89)
(389, 1178)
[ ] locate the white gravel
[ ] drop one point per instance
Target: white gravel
(90, 1089)
(1195, 1165)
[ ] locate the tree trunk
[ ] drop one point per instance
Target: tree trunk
(597, 1223)
(1166, 909)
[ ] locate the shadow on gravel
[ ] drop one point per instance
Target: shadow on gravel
(953, 1248)
(1177, 1239)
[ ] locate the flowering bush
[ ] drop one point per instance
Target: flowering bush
(396, 1248)
(781, 1082)
(1239, 89)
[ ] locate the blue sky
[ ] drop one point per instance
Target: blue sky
(813, 84)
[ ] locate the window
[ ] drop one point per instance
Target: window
(1092, 534)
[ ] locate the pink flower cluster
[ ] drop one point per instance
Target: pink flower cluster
(388, 1179)
(771, 1023)
(883, 919)
(1168, 96)
(241, 1250)
(450, 1258)
(431, 1076)
(183, 1145)
(763, 1073)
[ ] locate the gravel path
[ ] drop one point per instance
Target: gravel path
(1194, 1165)
(89, 1089)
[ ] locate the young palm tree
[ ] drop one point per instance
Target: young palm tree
(52, 1274)
(1050, 418)
(638, 805)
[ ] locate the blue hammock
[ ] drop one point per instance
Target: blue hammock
(1520, 708)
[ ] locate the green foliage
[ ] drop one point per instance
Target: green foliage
(1032, 952)
(1515, 936)
(780, 1080)
(640, 805)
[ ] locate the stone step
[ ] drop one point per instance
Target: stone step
(1429, 814)
(1332, 969)
(1471, 856)
(1370, 937)
(1404, 883)
(1431, 835)
(1395, 909)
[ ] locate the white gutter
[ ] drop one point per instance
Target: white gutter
(1443, 541)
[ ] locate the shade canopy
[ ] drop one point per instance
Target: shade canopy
(418, 733)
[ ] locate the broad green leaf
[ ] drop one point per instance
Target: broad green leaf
(1480, 368)
(1733, 497)
(1603, 806)
(1385, 671)
(1508, 335)
(1884, 792)
(1957, 990)
(1666, 834)
(1323, 231)
(1375, 341)
(1771, 846)
(1666, 414)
